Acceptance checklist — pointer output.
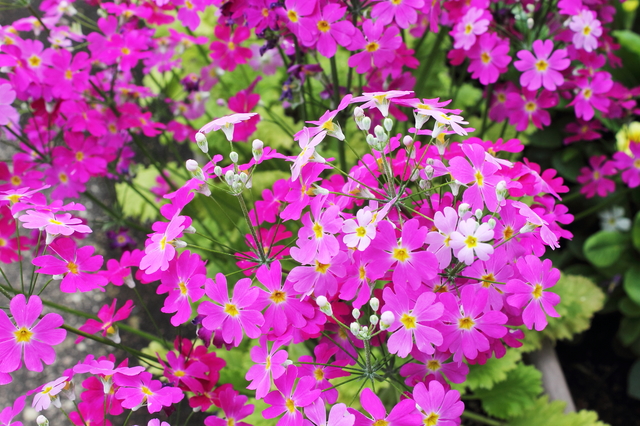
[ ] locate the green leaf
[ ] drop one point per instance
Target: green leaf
(133, 205)
(604, 248)
(512, 396)
(632, 283)
(628, 39)
(494, 370)
(543, 412)
(633, 388)
(635, 232)
(629, 308)
(629, 330)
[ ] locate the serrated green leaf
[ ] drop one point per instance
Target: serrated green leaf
(512, 396)
(542, 412)
(604, 248)
(494, 370)
(635, 232)
(631, 283)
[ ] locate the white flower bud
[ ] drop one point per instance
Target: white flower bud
(358, 113)
(42, 421)
(463, 208)
(371, 140)
(388, 124)
(478, 214)
(179, 244)
(407, 141)
(287, 363)
(217, 170)
(189, 230)
(373, 319)
(420, 119)
(257, 148)
(228, 176)
(202, 142)
(233, 156)
(355, 313)
(386, 320)
(380, 133)
(192, 165)
(355, 328)
(528, 227)
(492, 223)
(244, 177)
(318, 190)
(366, 124)
(324, 305)
(529, 23)
(455, 187)
(364, 333)
(374, 303)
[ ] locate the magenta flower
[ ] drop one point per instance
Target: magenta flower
(338, 416)
(321, 372)
(470, 26)
(327, 29)
(629, 165)
(527, 108)
(404, 413)
(268, 365)
(544, 68)
(438, 407)
(410, 264)
(188, 13)
(593, 94)
(308, 146)
(234, 406)
(7, 96)
(467, 325)
(108, 317)
(593, 179)
(226, 124)
(359, 232)
(294, 11)
(61, 224)
(137, 391)
(480, 176)
(439, 365)
(288, 398)
(9, 413)
(233, 315)
(404, 12)
(538, 276)
(227, 49)
(439, 241)
(470, 241)
(25, 338)
(73, 265)
(490, 272)
(489, 58)
(377, 50)
(315, 239)
(184, 281)
(412, 320)
(586, 29)
(160, 247)
(48, 394)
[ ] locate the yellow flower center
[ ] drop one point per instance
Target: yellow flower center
(322, 267)
(396, 2)
(485, 58)
(265, 12)
(34, 61)
(587, 93)
(466, 323)
(380, 422)
(431, 419)
(183, 288)
(318, 374)
(487, 280)
(268, 363)
(471, 241)
(362, 273)
(542, 65)
(231, 422)
(3, 242)
(278, 296)
(318, 230)
(324, 26)
(479, 178)
(231, 309)
(15, 180)
(55, 222)
(502, 98)
(73, 268)
(290, 405)
(231, 45)
(328, 125)
(507, 232)
(145, 390)
(47, 390)
(23, 335)
(188, 4)
(293, 17)
(433, 365)
(537, 291)
(163, 242)
(530, 107)
(401, 254)
(361, 231)
(125, 51)
(586, 30)
(79, 156)
(409, 321)
(372, 47)
(468, 28)
(68, 74)
(179, 373)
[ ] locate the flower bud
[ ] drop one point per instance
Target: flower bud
(463, 208)
(374, 303)
(373, 319)
(371, 140)
(192, 165)
(228, 176)
(358, 113)
(366, 124)
(388, 124)
(420, 119)
(478, 214)
(380, 133)
(202, 142)
(492, 223)
(233, 156)
(386, 320)
(244, 177)
(287, 363)
(257, 148)
(42, 421)
(407, 141)
(455, 187)
(529, 23)
(179, 244)
(355, 313)
(324, 305)
(318, 190)
(355, 328)
(217, 170)
(189, 230)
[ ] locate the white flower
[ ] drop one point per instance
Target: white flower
(614, 220)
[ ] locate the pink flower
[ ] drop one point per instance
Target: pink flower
(338, 416)
(140, 390)
(108, 317)
(543, 68)
(226, 124)
(227, 50)
(184, 281)
(489, 58)
(538, 276)
(377, 50)
(471, 25)
(403, 413)
(412, 320)
(439, 407)
(586, 30)
(327, 29)
(74, 265)
(235, 408)
(436, 366)
(268, 365)
(469, 241)
(439, 241)
(593, 94)
(322, 372)
(61, 224)
(526, 108)
(467, 325)
(315, 239)
(23, 337)
(404, 12)
(359, 232)
(7, 96)
(294, 11)
(188, 13)
(593, 178)
(160, 247)
(629, 165)
(308, 147)
(48, 394)
(380, 100)
(583, 131)
(480, 176)
(288, 398)
(9, 413)
(233, 315)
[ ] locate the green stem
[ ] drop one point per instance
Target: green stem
(485, 114)
(480, 418)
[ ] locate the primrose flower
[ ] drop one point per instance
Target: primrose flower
(308, 146)
(7, 96)
(61, 224)
(140, 390)
(21, 337)
(489, 58)
(437, 405)
(405, 12)
(108, 317)
(288, 398)
(48, 394)
(377, 50)
(544, 68)
(469, 241)
(586, 30)
(359, 232)
(470, 26)
(327, 28)
(227, 49)
(380, 100)
(268, 365)
(402, 414)
(226, 124)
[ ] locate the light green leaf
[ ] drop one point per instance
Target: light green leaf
(604, 248)
(635, 232)
(512, 396)
(544, 413)
(632, 283)
(494, 370)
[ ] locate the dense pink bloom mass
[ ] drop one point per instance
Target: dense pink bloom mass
(20, 338)
(543, 68)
